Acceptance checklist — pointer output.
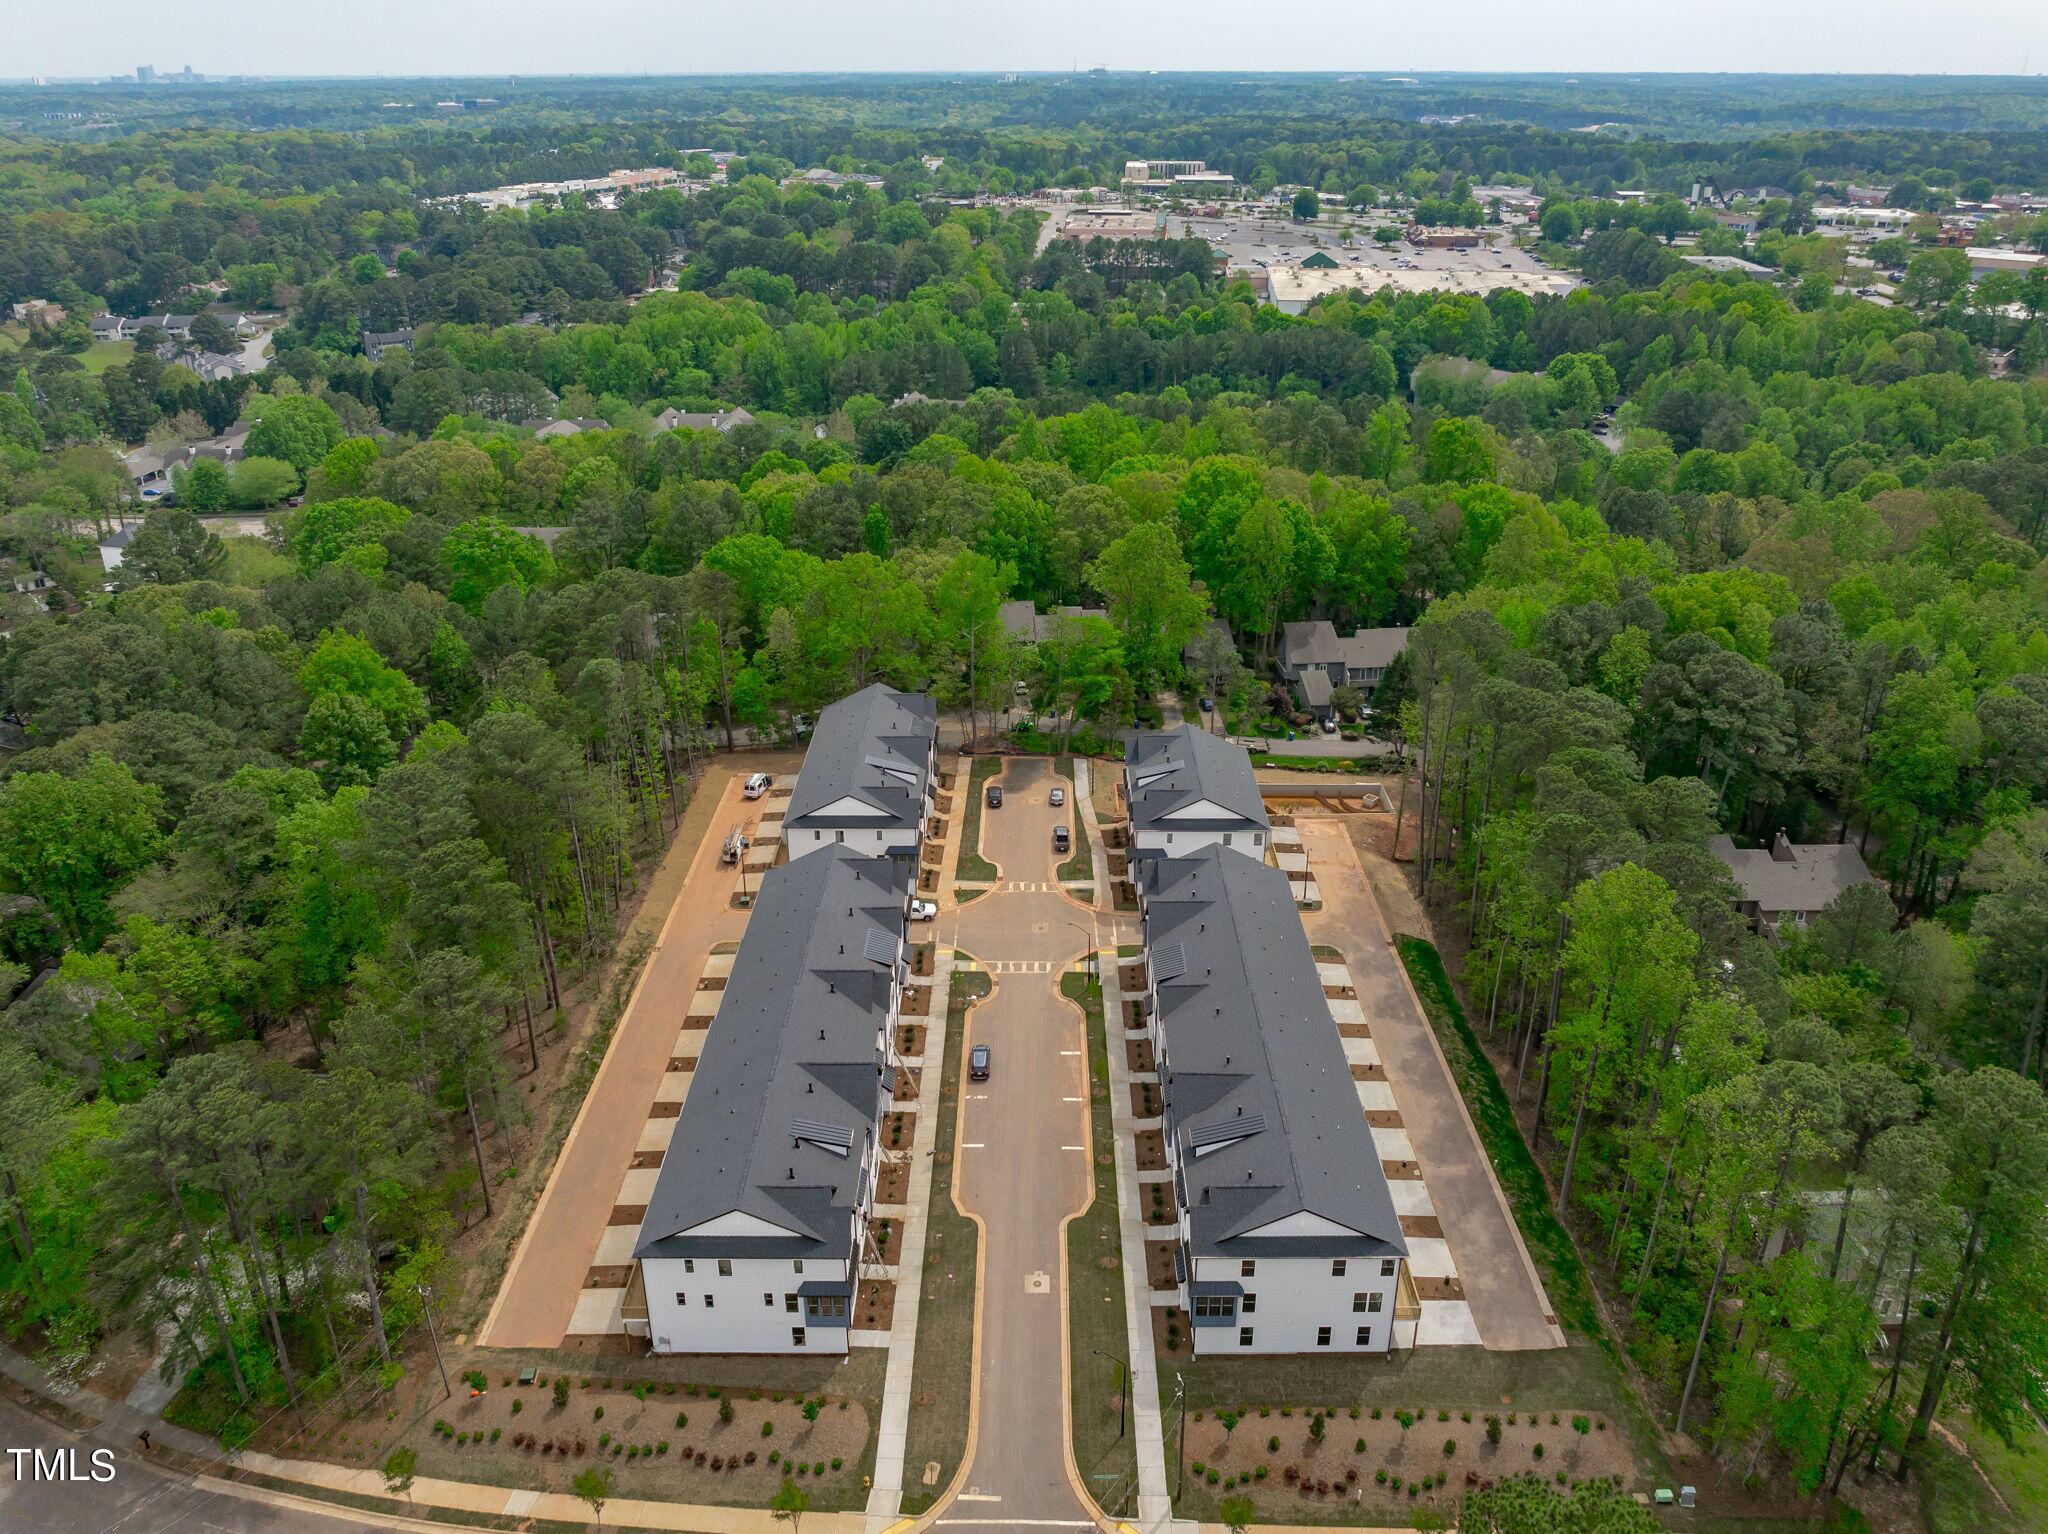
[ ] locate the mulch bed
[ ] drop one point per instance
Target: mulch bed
(910, 1040)
(1151, 1151)
(1373, 1072)
(875, 1304)
(893, 1185)
(1145, 1103)
(917, 1001)
(1159, 1264)
(1138, 1055)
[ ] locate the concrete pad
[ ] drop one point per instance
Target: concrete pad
(1292, 862)
(1446, 1324)
(673, 1087)
(1430, 1257)
(1362, 1052)
(1286, 837)
(1333, 973)
(615, 1246)
(1377, 1096)
(654, 1134)
(1411, 1196)
(703, 1004)
(598, 1313)
(718, 965)
(1392, 1144)
(689, 1043)
(1306, 891)
(637, 1187)
(1345, 1011)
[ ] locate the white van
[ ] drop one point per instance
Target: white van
(757, 785)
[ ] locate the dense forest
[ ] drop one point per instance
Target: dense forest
(308, 835)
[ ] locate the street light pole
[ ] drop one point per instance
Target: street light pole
(1123, 1391)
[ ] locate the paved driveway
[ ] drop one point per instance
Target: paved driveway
(1508, 1304)
(537, 1300)
(1022, 1135)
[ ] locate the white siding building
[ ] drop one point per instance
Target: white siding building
(1288, 1240)
(754, 1237)
(869, 777)
(1188, 789)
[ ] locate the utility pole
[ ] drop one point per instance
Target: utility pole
(1180, 1445)
(427, 1303)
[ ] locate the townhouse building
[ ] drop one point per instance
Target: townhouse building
(869, 778)
(1187, 789)
(1287, 1236)
(754, 1236)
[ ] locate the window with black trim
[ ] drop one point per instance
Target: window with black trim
(1244, 1336)
(1365, 1336)
(1215, 1307)
(1322, 1336)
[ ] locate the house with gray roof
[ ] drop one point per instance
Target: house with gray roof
(754, 1235)
(1317, 660)
(1024, 623)
(1187, 789)
(869, 778)
(1791, 882)
(1287, 1238)
(376, 343)
(704, 420)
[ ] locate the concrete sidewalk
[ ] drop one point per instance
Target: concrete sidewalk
(885, 1497)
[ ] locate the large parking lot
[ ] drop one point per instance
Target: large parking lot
(1249, 242)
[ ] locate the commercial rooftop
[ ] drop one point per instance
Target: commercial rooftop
(1294, 288)
(781, 1113)
(873, 747)
(1260, 1101)
(1169, 772)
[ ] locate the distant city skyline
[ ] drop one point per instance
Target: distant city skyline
(403, 38)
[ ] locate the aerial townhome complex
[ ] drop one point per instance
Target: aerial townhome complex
(759, 1222)
(1188, 789)
(868, 777)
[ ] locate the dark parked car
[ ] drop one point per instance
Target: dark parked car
(1060, 841)
(995, 796)
(977, 1063)
(1208, 705)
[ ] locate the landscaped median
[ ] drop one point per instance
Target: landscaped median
(1105, 1439)
(972, 865)
(942, 1377)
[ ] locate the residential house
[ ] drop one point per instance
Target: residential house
(1317, 660)
(107, 327)
(703, 420)
(1187, 789)
(114, 547)
(567, 427)
(754, 1235)
(376, 343)
(148, 470)
(1287, 1239)
(869, 779)
(1023, 622)
(1791, 882)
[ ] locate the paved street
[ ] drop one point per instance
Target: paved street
(141, 1498)
(1508, 1304)
(1022, 1137)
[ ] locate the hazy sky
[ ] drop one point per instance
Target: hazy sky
(402, 37)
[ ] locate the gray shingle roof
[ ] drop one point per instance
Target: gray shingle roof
(875, 747)
(1025, 623)
(1788, 877)
(1260, 1101)
(1168, 770)
(1317, 643)
(792, 1057)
